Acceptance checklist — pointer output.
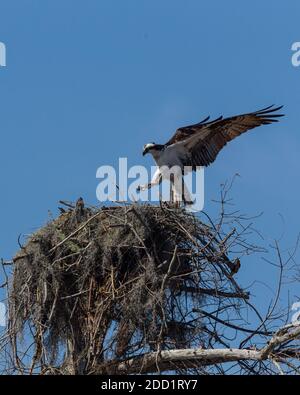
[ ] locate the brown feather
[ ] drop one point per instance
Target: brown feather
(205, 140)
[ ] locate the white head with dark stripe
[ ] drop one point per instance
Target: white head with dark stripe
(152, 148)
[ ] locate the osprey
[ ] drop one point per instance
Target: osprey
(199, 144)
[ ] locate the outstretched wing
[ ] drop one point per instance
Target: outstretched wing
(202, 142)
(187, 131)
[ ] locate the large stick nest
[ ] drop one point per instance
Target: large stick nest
(97, 286)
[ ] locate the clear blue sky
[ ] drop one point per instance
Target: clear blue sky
(90, 81)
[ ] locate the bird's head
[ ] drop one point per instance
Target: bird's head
(148, 147)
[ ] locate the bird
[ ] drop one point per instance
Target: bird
(199, 145)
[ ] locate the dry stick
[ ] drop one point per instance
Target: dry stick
(66, 256)
(238, 328)
(277, 366)
(215, 292)
(77, 294)
(162, 290)
(208, 243)
(141, 241)
(5, 274)
(75, 232)
(146, 226)
(275, 302)
(223, 241)
(7, 263)
(68, 204)
(112, 283)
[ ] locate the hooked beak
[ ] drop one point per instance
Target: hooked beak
(145, 152)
